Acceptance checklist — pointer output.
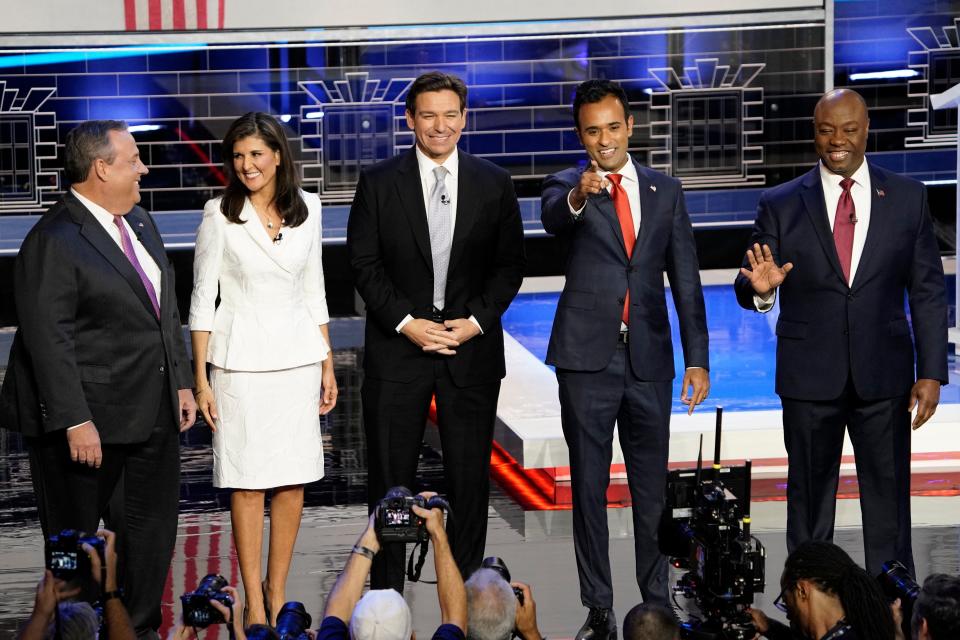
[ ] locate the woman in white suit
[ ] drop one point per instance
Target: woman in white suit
(267, 343)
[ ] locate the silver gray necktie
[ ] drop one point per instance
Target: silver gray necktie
(439, 214)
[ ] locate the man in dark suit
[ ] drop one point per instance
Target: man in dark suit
(626, 225)
(852, 240)
(436, 246)
(98, 381)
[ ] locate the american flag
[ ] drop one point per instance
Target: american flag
(173, 15)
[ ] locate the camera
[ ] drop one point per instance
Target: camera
(197, 610)
(896, 582)
(705, 529)
(500, 567)
(66, 558)
(293, 621)
(396, 521)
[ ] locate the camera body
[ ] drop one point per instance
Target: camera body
(396, 521)
(704, 530)
(65, 556)
(293, 621)
(896, 582)
(498, 565)
(197, 610)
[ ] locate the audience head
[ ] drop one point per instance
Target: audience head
(936, 613)
(261, 632)
(381, 614)
(650, 622)
(817, 576)
(78, 621)
(491, 606)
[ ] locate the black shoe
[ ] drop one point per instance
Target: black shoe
(601, 624)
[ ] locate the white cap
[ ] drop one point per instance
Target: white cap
(381, 614)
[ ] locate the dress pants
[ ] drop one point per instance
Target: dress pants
(136, 491)
(394, 416)
(590, 404)
(880, 434)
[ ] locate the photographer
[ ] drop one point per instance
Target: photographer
(373, 620)
(827, 596)
(491, 606)
(185, 632)
(650, 622)
(936, 613)
(51, 593)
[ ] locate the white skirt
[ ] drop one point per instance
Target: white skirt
(268, 430)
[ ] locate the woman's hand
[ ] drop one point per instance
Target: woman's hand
(207, 405)
(328, 387)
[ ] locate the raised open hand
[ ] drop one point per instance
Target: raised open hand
(764, 273)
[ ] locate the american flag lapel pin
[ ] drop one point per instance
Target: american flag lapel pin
(140, 224)
(653, 188)
(880, 193)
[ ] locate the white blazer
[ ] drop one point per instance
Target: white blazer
(272, 298)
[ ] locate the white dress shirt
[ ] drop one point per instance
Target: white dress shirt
(105, 218)
(427, 180)
(860, 191)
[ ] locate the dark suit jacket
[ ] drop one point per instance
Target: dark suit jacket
(389, 247)
(89, 346)
(598, 273)
(828, 332)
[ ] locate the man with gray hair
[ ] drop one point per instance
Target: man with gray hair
(98, 381)
(491, 606)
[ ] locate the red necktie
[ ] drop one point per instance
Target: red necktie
(843, 224)
(622, 204)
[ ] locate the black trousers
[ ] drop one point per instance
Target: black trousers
(136, 491)
(394, 417)
(590, 404)
(880, 434)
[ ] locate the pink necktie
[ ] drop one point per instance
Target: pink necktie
(843, 224)
(132, 257)
(622, 204)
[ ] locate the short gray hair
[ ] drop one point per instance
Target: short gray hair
(78, 621)
(491, 606)
(85, 143)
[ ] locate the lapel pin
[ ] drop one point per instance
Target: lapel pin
(880, 193)
(140, 224)
(653, 188)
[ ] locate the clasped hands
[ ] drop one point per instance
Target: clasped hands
(444, 338)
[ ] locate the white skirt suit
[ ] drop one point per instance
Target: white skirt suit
(265, 345)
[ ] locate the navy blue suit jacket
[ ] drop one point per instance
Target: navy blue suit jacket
(598, 273)
(829, 332)
(388, 241)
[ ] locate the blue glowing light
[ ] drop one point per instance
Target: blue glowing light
(75, 55)
(884, 75)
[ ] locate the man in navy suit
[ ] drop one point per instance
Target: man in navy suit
(99, 381)
(842, 245)
(436, 246)
(611, 346)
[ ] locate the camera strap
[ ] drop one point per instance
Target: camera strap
(413, 572)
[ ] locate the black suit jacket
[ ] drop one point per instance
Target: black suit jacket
(828, 332)
(89, 346)
(388, 241)
(598, 273)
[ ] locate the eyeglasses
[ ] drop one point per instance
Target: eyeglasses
(780, 603)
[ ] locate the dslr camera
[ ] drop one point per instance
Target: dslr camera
(293, 621)
(66, 558)
(500, 567)
(197, 610)
(396, 521)
(896, 582)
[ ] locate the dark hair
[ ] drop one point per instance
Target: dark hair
(87, 142)
(593, 91)
(833, 571)
(939, 604)
(650, 622)
(287, 198)
(436, 81)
